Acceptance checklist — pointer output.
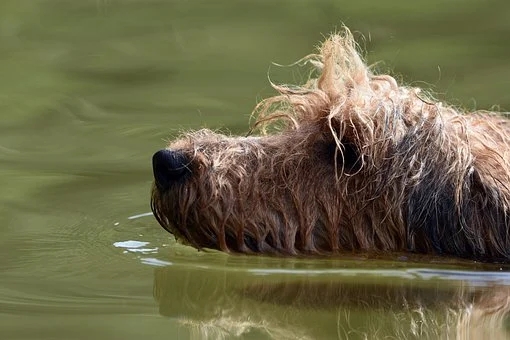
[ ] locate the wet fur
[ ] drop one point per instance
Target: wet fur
(355, 162)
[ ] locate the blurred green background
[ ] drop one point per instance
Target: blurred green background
(90, 89)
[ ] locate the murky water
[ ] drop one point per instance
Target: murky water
(90, 89)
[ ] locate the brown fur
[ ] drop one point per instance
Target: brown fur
(357, 163)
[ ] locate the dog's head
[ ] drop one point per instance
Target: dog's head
(301, 189)
(342, 168)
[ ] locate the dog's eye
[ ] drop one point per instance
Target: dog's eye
(348, 157)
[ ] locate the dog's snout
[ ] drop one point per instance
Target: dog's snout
(169, 166)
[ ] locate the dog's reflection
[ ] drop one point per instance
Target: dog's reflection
(215, 304)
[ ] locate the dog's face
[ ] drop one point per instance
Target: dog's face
(321, 184)
(283, 193)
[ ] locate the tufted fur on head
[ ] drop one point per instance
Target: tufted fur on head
(355, 162)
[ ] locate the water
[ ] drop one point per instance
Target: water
(90, 89)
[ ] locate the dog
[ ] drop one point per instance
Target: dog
(350, 161)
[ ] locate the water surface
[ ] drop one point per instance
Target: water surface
(90, 89)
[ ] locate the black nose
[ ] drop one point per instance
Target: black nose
(169, 166)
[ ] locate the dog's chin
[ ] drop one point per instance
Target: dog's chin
(164, 221)
(172, 228)
(189, 236)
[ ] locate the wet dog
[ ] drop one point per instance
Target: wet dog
(349, 161)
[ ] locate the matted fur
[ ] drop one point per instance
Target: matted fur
(359, 163)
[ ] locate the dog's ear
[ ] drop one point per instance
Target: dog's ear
(368, 115)
(346, 143)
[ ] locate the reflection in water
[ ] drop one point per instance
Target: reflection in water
(211, 304)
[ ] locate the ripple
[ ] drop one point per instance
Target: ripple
(156, 262)
(135, 247)
(134, 217)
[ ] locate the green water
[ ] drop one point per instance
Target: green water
(90, 89)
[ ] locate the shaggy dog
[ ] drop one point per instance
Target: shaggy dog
(352, 161)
